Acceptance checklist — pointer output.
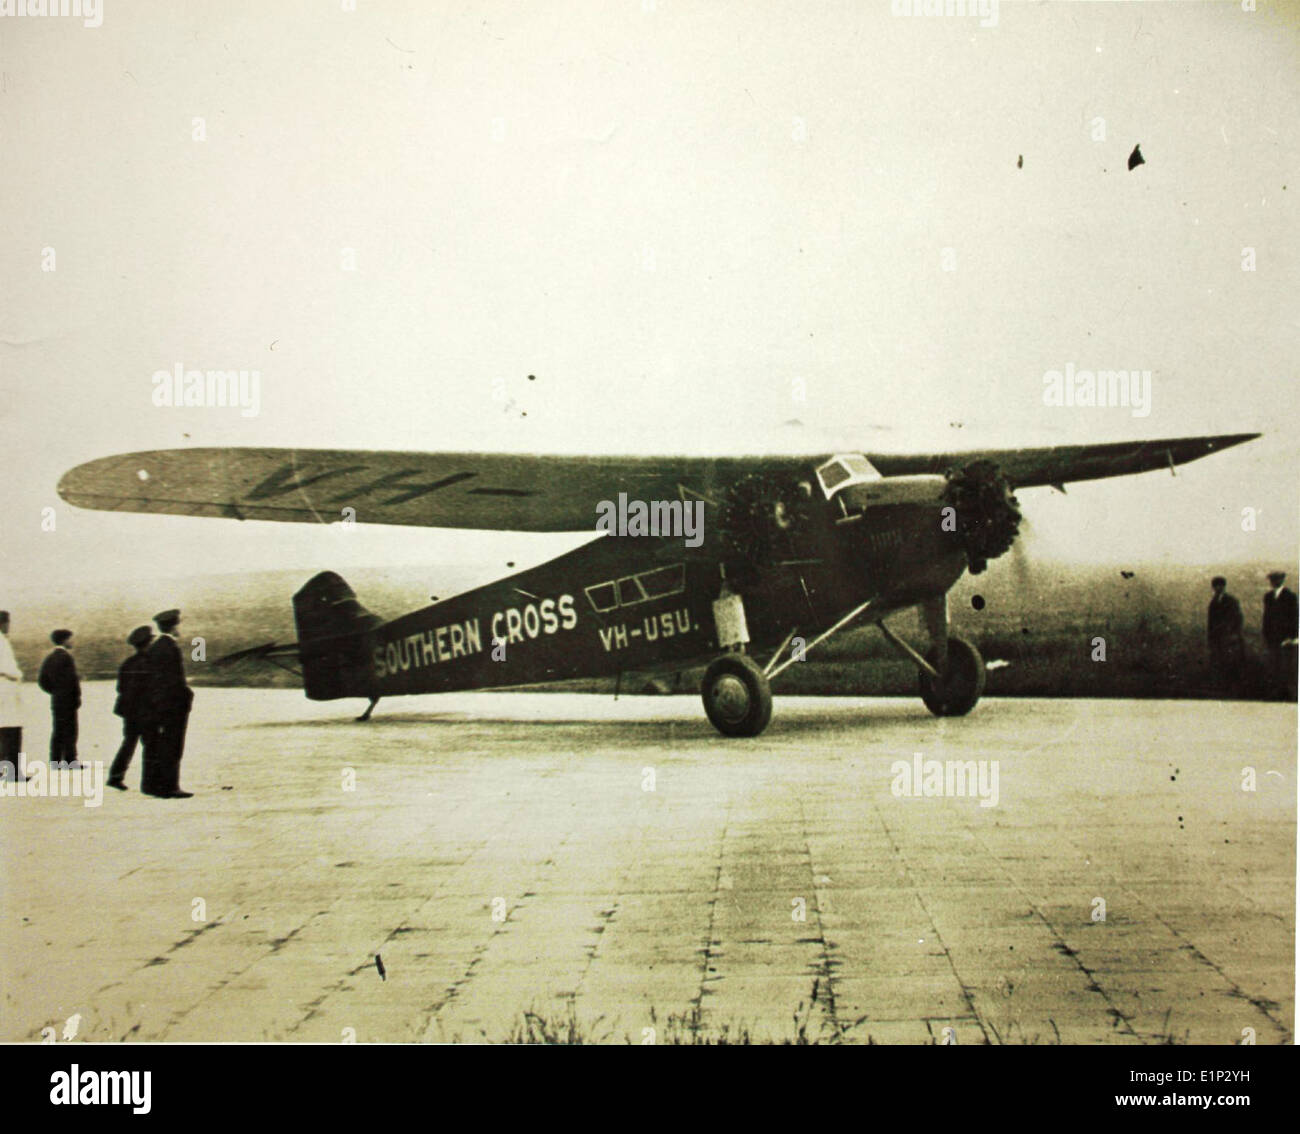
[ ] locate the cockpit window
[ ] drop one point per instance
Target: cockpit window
(859, 466)
(843, 470)
(832, 475)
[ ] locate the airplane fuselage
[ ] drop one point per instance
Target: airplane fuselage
(623, 604)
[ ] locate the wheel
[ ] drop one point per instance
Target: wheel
(737, 697)
(960, 686)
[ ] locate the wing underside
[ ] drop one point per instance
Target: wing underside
(519, 492)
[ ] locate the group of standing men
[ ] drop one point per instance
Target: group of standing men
(1224, 626)
(153, 700)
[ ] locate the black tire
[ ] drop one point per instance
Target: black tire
(962, 683)
(737, 697)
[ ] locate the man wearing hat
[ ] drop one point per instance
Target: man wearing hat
(1280, 629)
(11, 719)
(169, 699)
(132, 707)
(1223, 631)
(58, 678)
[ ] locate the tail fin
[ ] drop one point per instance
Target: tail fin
(334, 632)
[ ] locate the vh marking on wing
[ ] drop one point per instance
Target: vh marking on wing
(288, 479)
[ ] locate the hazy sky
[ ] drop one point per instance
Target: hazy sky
(678, 216)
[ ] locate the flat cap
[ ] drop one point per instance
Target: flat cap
(167, 616)
(1276, 576)
(58, 637)
(140, 635)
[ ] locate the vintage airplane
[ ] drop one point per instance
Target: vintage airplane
(794, 549)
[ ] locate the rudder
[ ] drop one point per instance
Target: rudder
(334, 632)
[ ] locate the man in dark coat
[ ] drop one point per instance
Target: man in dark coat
(1224, 633)
(170, 698)
(1281, 619)
(59, 679)
(132, 707)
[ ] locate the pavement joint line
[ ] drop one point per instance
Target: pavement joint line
(452, 992)
(697, 1005)
(1235, 989)
(314, 1007)
(192, 934)
(947, 952)
(1186, 941)
(229, 980)
(1059, 942)
(826, 970)
(620, 884)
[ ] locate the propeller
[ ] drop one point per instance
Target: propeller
(1021, 560)
(988, 515)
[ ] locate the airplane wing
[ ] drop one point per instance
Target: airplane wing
(516, 492)
(1065, 464)
(499, 491)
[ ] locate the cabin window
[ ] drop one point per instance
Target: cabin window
(664, 581)
(633, 589)
(629, 591)
(602, 597)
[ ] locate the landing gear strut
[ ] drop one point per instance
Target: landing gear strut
(737, 692)
(369, 709)
(951, 673)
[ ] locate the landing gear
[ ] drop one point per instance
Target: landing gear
(960, 681)
(737, 692)
(737, 697)
(951, 672)
(369, 709)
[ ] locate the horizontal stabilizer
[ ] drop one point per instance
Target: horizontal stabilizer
(266, 652)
